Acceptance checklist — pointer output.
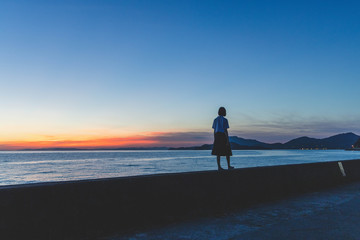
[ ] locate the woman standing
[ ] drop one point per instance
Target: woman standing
(221, 138)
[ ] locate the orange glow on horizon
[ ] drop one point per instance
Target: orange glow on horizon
(83, 144)
(150, 139)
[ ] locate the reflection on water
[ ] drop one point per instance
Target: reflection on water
(38, 166)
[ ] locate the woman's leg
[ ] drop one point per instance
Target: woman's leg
(218, 162)
(228, 162)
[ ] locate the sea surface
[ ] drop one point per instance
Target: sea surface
(21, 167)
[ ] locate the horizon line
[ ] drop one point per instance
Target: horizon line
(154, 141)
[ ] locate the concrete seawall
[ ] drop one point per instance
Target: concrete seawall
(90, 208)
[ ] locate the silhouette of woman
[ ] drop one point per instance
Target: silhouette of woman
(221, 145)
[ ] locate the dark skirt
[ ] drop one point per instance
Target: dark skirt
(220, 147)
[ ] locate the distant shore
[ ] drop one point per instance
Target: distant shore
(340, 141)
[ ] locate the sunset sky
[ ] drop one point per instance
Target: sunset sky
(154, 73)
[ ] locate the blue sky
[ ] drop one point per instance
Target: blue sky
(98, 69)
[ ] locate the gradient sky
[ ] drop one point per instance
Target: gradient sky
(154, 73)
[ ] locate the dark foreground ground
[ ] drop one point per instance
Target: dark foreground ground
(331, 214)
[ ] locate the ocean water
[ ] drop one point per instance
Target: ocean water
(21, 167)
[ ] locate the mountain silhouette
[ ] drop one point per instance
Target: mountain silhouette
(339, 141)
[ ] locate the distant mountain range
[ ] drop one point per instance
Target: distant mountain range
(340, 141)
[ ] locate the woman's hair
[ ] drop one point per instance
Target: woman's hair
(222, 111)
